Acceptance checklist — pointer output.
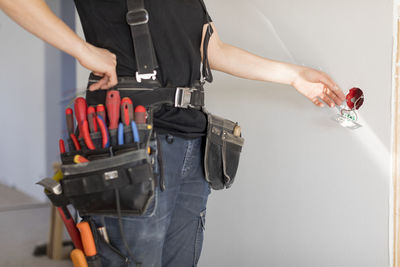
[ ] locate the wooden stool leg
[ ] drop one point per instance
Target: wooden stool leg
(54, 247)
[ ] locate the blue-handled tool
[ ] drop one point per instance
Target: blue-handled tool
(135, 132)
(120, 133)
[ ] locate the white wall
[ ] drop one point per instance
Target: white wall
(22, 109)
(308, 192)
(36, 81)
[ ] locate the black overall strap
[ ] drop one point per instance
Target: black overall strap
(146, 62)
(206, 71)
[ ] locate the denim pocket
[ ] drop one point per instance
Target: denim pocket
(199, 237)
(109, 254)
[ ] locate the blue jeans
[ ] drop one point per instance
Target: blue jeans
(170, 233)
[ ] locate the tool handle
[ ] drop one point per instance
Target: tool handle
(126, 110)
(89, 246)
(70, 225)
(113, 101)
(80, 112)
(61, 146)
(69, 116)
(104, 131)
(80, 159)
(140, 114)
(101, 111)
(86, 135)
(120, 133)
(78, 258)
(75, 141)
(92, 119)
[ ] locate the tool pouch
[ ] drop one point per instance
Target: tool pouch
(222, 152)
(100, 186)
(118, 179)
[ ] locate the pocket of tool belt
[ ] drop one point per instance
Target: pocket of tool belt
(222, 152)
(91, 187)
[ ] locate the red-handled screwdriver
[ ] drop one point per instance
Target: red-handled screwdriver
(61, 145)
(113, 101)
(70, 120)
(80, 112)
(92, 119)
(126, 110)
(140, 115)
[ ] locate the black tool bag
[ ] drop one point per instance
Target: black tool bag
(118, 179)
(222, 151)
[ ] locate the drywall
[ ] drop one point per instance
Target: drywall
(308, 192)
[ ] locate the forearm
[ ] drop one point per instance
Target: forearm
(240, 63)
(36, 17)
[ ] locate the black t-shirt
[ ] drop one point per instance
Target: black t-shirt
(176, 29)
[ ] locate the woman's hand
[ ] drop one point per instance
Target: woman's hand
(317, 86)
(102, 63)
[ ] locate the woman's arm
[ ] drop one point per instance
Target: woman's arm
(313, 84)
(36, 17)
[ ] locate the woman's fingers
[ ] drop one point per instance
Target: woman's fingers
(317, 102)
(334, 89)
(327, 100)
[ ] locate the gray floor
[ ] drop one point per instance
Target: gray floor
(24, 224)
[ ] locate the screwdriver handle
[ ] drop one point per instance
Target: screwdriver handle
(126, 110)
(113, 101)
(80, 112)
(70, 120)
(78, 258)
(89, 246)
(140, 115)
(92, 119)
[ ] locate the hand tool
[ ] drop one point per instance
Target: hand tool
(70, 120)
(71, 228)
(61, 145)
(92, 119)
(126, 110)
(140, 114)
(121, 133)
(86, 135)
(80, 112)
(136, 138)
(51, 185)
(100, 110)
(80, 159)
(89, 246)
(75, 141)
(78, 258)
(104, 131)
(113, 101)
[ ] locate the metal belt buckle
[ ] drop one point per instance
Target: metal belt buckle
(146, 76)
(137, 17)
(183, 96)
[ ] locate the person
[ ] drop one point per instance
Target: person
(170, 234)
